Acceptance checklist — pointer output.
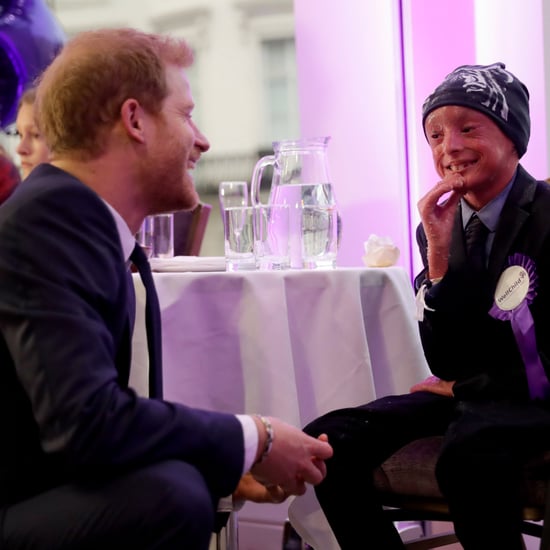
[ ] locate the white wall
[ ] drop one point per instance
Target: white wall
(363, 82)
(350, 87)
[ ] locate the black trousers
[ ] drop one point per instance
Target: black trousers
(163, 506)
(485, 446)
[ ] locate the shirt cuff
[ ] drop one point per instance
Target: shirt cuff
(251, 437)
(421, 305)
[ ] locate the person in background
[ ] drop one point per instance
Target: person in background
(9, 175)
(32, 148)
(485, 316)
(86, 463)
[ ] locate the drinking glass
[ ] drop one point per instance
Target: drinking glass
(232, 193)
(239, 238)
(145, 236)
(163, 235)
(319, 235)
(271, 234)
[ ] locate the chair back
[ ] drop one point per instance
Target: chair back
(189, 229)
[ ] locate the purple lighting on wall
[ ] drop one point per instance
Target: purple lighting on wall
(364, 70)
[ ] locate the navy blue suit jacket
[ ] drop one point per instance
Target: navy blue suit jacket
(461, 340)
(66, 412)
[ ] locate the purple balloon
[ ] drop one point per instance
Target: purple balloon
(30, 37)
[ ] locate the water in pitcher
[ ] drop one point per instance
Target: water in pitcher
(296, 196)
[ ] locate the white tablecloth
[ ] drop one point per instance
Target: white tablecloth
(292, 344)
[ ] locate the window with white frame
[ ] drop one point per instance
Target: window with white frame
(280, 90)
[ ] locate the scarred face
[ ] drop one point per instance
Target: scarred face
(467, 143)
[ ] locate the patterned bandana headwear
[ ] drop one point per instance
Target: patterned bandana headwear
(491, 90)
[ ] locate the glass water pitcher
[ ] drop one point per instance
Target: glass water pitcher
(300, 178)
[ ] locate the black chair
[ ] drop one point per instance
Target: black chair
(408, 488)
(227, 530)
(189, 229)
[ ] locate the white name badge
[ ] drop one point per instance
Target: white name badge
(512, 288)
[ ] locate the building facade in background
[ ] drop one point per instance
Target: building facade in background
(244, 76)
(243, 79)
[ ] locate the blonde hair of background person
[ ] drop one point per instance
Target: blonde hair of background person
(90, 463)
(32, 148)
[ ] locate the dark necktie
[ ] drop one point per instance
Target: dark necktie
(476, 237)
(152, 321)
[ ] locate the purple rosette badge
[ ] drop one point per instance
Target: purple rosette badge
(516, 289)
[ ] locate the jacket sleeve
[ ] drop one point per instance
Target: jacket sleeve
(63, 309)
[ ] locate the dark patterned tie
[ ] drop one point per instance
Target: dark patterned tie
(476, 237)
(152, 321)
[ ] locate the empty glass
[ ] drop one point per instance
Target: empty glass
(232, 193)
(163, 235)
(145, 236)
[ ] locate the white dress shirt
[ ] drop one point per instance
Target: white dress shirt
(250, 432)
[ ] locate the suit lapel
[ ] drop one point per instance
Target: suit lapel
(515, 213)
